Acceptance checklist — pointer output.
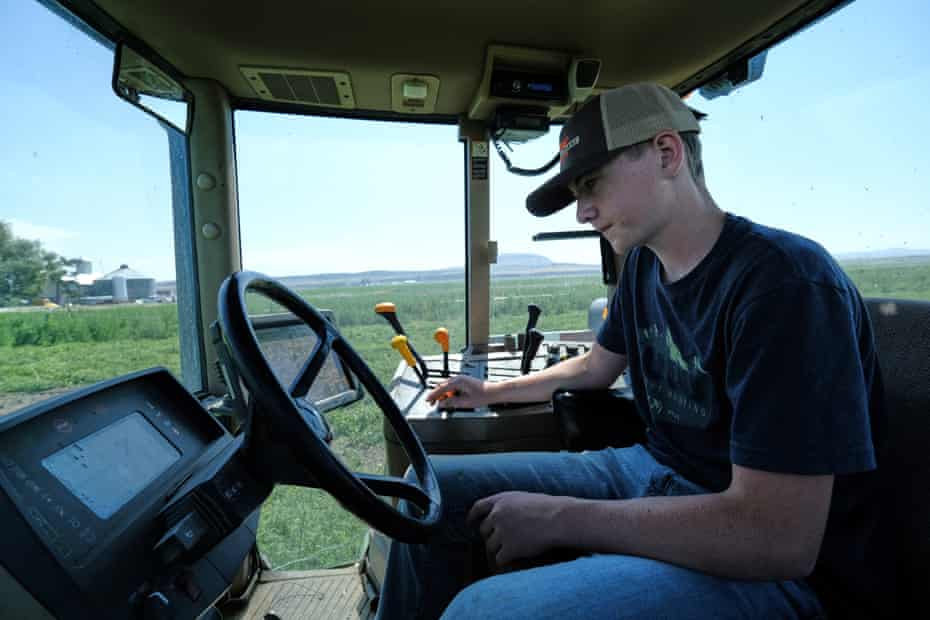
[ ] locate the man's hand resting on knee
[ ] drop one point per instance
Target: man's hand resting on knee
(516, 525)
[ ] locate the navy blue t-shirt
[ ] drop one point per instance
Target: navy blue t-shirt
(761, 356)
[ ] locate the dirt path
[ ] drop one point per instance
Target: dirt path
(11, 401)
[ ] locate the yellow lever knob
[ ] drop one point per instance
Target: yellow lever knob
(400, 344)
(385, 306)
(441, 335)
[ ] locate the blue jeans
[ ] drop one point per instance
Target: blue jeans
(426, 581)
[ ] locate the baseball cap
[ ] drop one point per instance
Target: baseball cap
(611, 121)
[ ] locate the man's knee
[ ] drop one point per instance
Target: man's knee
(503, 596)
(475, 601)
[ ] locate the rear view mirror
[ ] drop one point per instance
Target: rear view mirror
(148, 87)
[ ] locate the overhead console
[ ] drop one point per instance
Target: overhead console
(123, 500)
(542, 82)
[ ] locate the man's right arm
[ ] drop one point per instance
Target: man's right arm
(598, 368)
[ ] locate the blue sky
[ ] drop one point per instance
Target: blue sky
(830, 143)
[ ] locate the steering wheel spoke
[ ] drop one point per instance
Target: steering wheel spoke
(311, 368)
(392, 486)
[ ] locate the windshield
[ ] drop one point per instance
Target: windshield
(352, 214)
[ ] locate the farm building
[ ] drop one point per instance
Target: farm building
(121, 286)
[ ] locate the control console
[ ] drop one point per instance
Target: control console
(497, 428)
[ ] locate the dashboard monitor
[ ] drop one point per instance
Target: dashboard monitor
(286, 343)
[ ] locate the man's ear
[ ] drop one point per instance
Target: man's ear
(671, 151)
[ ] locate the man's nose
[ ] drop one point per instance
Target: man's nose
(584, 211)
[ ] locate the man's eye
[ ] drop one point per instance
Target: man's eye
(588, 185)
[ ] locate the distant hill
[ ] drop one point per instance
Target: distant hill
(532, 261)
(890, 253)
(525, 266)
(508, 266)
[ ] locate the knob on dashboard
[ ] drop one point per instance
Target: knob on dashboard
(181, 537)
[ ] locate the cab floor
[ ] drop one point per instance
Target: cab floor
(336, 594)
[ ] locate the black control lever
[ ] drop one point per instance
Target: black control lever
(534, 338)
(534, 312)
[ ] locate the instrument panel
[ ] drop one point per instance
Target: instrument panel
(99, 489)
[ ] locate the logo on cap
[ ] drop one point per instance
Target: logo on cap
(566, 145)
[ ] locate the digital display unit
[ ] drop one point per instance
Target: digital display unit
(286, 342)
(90, 481)
(529, 85)
(107, 469)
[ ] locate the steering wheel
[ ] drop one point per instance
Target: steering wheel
(301, 425)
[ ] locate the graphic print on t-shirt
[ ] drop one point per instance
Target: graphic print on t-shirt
(678, 389)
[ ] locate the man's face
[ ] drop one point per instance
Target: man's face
(621, 199)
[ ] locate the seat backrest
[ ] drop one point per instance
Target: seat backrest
(902, 338)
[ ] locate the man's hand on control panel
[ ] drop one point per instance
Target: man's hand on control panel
(460, 392)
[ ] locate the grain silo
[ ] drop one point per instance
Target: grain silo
(120, 288)
(124, 285)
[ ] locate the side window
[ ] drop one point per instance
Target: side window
(87, 268)
(831, 143)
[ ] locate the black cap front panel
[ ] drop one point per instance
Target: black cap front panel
(582, 136)
(582, 148)
(555, 194)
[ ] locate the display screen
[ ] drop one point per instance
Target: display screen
(107, 469)
(543, 87)
(516, 84)
(286, 343)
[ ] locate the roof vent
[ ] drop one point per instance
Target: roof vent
(323, 88)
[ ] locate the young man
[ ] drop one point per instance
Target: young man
(753, 368)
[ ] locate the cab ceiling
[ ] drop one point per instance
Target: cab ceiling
(666, 41)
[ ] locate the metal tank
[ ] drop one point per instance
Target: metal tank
(120, 289)
(125, 285)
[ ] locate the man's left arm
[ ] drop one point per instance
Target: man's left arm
(765, 525)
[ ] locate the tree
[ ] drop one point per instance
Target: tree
(25, 267)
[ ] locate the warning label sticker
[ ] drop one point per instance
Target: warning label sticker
(479, 168)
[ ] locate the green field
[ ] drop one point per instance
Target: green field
(905, 278)
(304, 528)
(38, 349)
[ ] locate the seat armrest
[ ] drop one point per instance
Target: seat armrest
(596, 419)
